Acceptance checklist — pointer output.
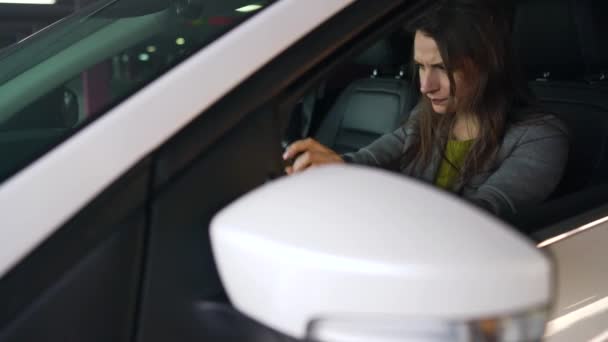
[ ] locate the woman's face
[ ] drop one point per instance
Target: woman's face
(434, 81)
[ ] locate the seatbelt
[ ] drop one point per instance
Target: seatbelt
(308, 105)
(300, 121)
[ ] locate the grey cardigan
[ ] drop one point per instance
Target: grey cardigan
(526, 170)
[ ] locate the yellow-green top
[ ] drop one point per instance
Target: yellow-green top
(456, 152)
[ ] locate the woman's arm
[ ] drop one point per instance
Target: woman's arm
(528, 175)
(384, 152)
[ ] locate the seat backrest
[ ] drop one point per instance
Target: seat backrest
(553, 54)
(546, 38)
(584, 109)
(370, 107)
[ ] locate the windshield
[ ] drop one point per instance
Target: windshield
(57, 80)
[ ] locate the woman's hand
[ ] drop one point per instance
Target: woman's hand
(307, 153)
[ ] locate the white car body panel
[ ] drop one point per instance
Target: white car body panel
(59, 184)
(581, 309)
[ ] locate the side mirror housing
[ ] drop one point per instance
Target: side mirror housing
(344, 250)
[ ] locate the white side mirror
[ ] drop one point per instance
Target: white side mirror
(345, 253)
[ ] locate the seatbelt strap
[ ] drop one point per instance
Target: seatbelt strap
(309, 102)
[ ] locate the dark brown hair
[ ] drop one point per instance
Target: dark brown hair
(472, 36)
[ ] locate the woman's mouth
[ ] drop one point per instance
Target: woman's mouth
(438, 102)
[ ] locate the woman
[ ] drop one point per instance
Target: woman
(475, 131)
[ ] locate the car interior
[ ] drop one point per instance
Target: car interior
(385, 92)
(565, 66)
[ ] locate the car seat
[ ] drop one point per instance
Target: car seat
(371, 106)
(556, 59)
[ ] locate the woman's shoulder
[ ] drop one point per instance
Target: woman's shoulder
(533, 123)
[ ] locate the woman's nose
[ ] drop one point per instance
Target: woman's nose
(428, 82)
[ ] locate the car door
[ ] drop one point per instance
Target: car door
(578, 246)
(106, 222)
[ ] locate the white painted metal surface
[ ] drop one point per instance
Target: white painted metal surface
(352, 240)
(42, 197)
(581, 308)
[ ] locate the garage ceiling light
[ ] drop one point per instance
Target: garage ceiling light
(249, 8)
(29, 2)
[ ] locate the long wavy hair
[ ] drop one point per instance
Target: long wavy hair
(473, 36)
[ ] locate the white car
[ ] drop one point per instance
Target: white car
(125, 129)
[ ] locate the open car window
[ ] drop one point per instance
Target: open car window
(72, 72)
